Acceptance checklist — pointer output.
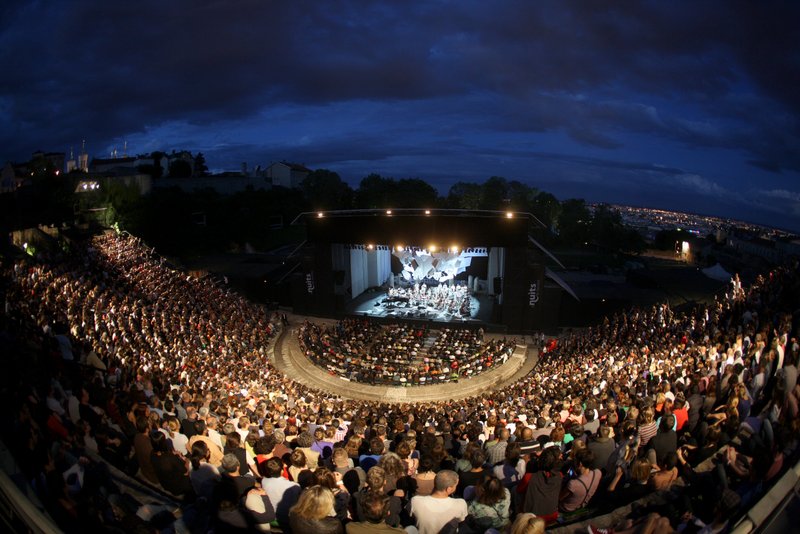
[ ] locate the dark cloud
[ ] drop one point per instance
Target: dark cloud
(464, 77)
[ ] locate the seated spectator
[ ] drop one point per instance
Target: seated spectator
(491, 507)
(425, 476)
(172, 469)
(582, 486)
(665, 441)
(374, 510)
(376, 448)
(404, 452)
(376, 483)
(527, 523)
(621, 492)
(204, 476)
(298, 459)
(602, 446)
(314, 513)
(238, 504)
(544, 486)
(432, 512)
(511, 471)
(473, 477)
(304, 442)
(333, 481)
(282, 493)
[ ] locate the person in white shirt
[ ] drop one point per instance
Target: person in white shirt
(282, 493)
(434, 511)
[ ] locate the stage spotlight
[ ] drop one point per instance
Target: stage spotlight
(388, 212)
(427, 212)
(369, 247)
(398, 248)
(319, 215)
(433, 248)
(509, 215)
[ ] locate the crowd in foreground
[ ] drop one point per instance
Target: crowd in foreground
(142, 369)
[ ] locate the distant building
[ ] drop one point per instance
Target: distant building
(104, 165)
(152, 162)
(226, 183)
(54, 159)
(92, 181)
(12, 177)
(757, 246)
(285, 174)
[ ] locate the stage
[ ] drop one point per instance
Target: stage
(375, 302)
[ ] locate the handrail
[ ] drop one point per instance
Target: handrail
(770, 504)
(16, 507)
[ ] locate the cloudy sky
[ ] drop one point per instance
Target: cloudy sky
(684, 105)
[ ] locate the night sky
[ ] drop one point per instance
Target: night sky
(685, 105)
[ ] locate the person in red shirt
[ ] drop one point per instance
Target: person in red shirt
(680, 411)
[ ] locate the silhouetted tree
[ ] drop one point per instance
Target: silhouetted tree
(415, 193)
(200, 167)
(465, 196)
(574, 222)
(180, 169)
(375, 191)
(325, 190)
(494, 193)
(520, 196)
(547, 208)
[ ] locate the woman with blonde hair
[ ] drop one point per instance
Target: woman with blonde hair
(313, 512)
(647, 426)
(179, 440)
(527, 523)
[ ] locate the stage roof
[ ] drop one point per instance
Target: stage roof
(419, 227)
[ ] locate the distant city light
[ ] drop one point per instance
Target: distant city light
(320, 215)
(388, 212)
(509, 215)
(427, 212)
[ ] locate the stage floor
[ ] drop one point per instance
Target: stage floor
(371, 304)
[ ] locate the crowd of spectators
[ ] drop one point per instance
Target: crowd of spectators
(144, 369)
(399, 354)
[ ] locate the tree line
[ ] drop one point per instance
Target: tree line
(205, 220)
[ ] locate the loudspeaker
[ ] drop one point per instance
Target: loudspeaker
(498, 285)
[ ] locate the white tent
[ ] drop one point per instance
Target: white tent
(717, 272)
